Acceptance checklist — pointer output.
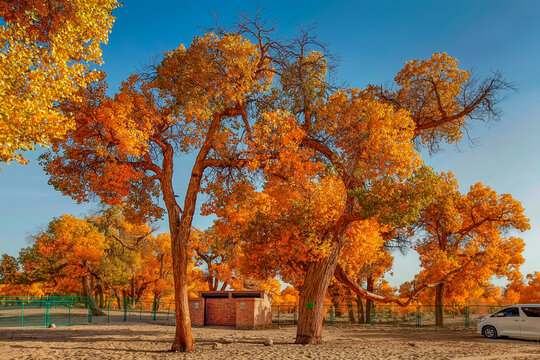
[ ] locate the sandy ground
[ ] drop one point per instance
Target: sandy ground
(151, 341)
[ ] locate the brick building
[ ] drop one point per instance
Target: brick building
(243, 309)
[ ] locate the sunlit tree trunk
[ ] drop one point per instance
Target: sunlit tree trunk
(439, 293)
(312, 294)
(180, 230)
(87, 289)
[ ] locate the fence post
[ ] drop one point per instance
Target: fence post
(372, 322)
(140, 309)
(295, 316)
(331, 314)
(467, 318)
(168, 311)
(125, 308)
(154, 309)
(69, 314)
(395, 319)
(418, 317)
(47, 313)
(109, 311)
(22, 314)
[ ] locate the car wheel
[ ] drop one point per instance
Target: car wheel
(490, 332)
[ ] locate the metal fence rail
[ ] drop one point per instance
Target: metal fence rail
(454, 315)
(28, 311)
(45, 311)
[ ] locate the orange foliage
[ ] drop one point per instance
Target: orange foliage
(467, 233)
(47, 50)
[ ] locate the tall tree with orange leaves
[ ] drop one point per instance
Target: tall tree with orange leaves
(48, 48)
(123, 148)
(347, 141)
(468, 232)
(304, 134)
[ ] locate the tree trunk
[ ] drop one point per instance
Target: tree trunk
(157, 299)
(439, 293)
(360, 309)
(118, 301)
(312, 294)
(352, 320)
(369, 302)
(337, 309)
(87, 289)
(180, 227)
(99, 290)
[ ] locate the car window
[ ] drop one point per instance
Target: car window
(531, 311)
(509, 312)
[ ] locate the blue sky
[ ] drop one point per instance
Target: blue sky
(373, 39)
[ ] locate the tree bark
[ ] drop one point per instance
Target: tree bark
(439, 293)
(180, 227)
(87, 289)
(180, 232)
(352, 320)
(312, 294)
(360, 309)
(369, 302)
(337, 309)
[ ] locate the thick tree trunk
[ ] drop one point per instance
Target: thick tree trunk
(439, 293)
(183, 338)
(352, 320)
(360, 309)
(87, 289)
(312, 294)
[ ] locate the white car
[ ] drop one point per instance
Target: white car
(515, 321)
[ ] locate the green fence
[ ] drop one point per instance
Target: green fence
(134, 309)
(27, 311)
(45, 311)
(454, 315)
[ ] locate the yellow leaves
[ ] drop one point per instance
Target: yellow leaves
(430, 90)
(374, 140)
(76, 244)
(48, 50)
(364, 249)
(213, 74)
(276, 144)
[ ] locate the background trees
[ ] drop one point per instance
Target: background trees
(467, 232)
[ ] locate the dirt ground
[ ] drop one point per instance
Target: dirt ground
(151, 341)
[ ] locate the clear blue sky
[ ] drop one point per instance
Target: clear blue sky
(373, 40)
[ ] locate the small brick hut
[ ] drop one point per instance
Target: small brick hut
(243, 309)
